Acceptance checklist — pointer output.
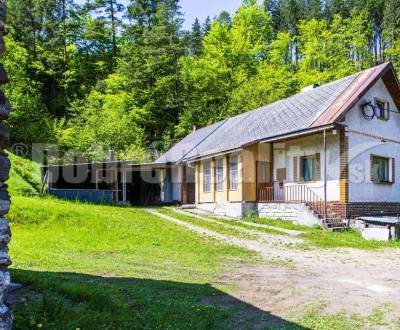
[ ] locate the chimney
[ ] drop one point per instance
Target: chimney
(311, 87)
(111, 155)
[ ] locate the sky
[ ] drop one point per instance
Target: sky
(199, 8)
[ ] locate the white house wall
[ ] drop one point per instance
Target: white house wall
(361, 189)
(308, 146)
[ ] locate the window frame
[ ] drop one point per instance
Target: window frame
(233, 172)
(384, 112)
(309, 158)
(207, 177)
(219, 174)
(375, 176)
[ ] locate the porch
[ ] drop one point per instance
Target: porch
(331, 214)
(308, 170)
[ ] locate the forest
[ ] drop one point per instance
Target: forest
(103, 76)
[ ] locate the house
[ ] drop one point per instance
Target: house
(326, 154)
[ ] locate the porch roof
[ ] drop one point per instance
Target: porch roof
(310, 109)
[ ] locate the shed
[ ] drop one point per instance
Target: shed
(106, 182)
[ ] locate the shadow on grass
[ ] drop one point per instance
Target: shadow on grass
(70, 301)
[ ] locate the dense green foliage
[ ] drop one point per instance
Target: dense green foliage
(87, 79)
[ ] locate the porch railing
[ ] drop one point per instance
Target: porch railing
(296, 194)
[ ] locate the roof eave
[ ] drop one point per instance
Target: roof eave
(298, 133)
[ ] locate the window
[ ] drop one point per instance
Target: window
(308, 168)
(381, 109)
(220, 174)
(380, 169)
(233, 172)
(207, 177)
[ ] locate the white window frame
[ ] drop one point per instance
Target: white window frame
(233, 172)
(219, 173)
(207, 177)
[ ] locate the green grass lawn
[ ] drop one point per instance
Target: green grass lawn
(89, 266)
(216, 226)
(104, 267)
(222, 226)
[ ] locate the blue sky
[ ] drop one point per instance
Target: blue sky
(200, 8)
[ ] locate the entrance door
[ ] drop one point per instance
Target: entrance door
(188, 185)
(264, 181)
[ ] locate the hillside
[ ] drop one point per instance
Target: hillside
(25, 177)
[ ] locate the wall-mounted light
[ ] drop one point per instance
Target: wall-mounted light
(334, 131)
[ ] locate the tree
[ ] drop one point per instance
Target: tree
(231, 53)
(196, 38)
(110, 120)
(224, 18)
(206, 26)
(391, 26)
(30, 120)
(275, 11)
(108, 11)
(152, 49)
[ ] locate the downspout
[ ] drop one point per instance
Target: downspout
(325, 182)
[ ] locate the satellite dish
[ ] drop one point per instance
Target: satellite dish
(368, 110)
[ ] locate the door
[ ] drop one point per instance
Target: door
(264, 181)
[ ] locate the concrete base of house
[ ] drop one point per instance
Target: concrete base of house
(228, 209)
(298, 213)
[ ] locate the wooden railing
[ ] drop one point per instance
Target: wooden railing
(296, 194)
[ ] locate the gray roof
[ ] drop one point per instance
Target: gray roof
(286, 116)
(187, 144)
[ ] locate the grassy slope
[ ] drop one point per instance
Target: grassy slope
(24, 177)
(151, 266)
(104, 267)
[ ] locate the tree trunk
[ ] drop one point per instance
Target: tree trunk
(177, 81)
(113, 31)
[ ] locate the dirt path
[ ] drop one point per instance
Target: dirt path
(251, 224)
(345, 279)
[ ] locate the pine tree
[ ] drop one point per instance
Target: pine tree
(206, 26)
(275, 11)
(108, 11)
(196, 38)
(313, 9)
(151, 61)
